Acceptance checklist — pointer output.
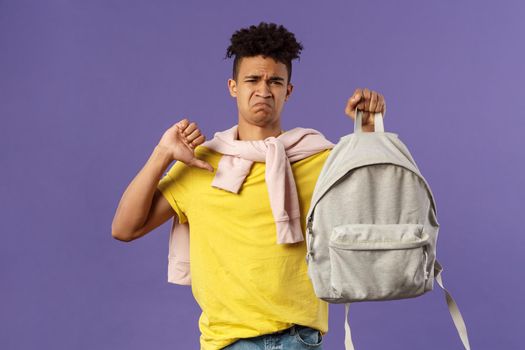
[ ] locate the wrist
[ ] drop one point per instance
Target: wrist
(162, 154)
(368, 128)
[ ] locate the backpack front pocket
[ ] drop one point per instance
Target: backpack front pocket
(378, 261)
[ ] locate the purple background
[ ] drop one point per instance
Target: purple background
(88, 87)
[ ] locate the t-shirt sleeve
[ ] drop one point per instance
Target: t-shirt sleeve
(175, 186)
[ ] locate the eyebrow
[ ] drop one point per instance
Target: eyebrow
(255, 76)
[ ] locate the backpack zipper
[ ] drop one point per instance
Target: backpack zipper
(426, 262)
(309, 236)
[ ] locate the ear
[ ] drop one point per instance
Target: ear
(232, 86)
(289, 89)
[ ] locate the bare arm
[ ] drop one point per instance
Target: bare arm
(142, 207)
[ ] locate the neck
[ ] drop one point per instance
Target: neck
(250, 132)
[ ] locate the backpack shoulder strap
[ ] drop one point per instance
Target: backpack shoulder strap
(348, 335)
(452, 308)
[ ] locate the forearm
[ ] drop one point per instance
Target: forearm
(135, 204)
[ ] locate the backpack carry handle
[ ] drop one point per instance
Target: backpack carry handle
(378, 121)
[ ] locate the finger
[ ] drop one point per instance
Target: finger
(353, 101)
(366, 93)
(196, 133)
(366, 98)
(358, 92)
(189, 129)
(361, 105)
(380, 107)
(358, 96)
(373, 102)
(198, 140)
(192, 135)
(182, 124)
(383, 104)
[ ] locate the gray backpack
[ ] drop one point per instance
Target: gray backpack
(372, 226)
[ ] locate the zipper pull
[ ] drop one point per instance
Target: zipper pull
(425, 266)
(309, 236)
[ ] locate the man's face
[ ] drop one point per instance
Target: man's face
(260, 89)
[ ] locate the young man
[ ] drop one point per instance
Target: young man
(254, 293)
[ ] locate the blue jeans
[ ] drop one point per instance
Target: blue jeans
(294, 338)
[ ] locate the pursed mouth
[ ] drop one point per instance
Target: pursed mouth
(262, 104)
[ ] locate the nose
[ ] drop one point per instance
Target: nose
(263, 90)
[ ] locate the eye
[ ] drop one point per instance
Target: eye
(276, 82)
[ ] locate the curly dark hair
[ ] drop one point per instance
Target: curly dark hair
(266, 39)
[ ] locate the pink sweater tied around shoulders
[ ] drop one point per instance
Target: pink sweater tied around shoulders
(233, 168)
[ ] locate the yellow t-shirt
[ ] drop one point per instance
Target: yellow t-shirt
(245, 283)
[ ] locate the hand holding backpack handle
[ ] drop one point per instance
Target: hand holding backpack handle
(377, 122)
(339, 270)
(451, 303)
(370, 102)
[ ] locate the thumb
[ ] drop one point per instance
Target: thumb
(352, 104)
(355, 100)
(201, 164)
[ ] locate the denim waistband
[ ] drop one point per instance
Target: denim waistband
(291, 330)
